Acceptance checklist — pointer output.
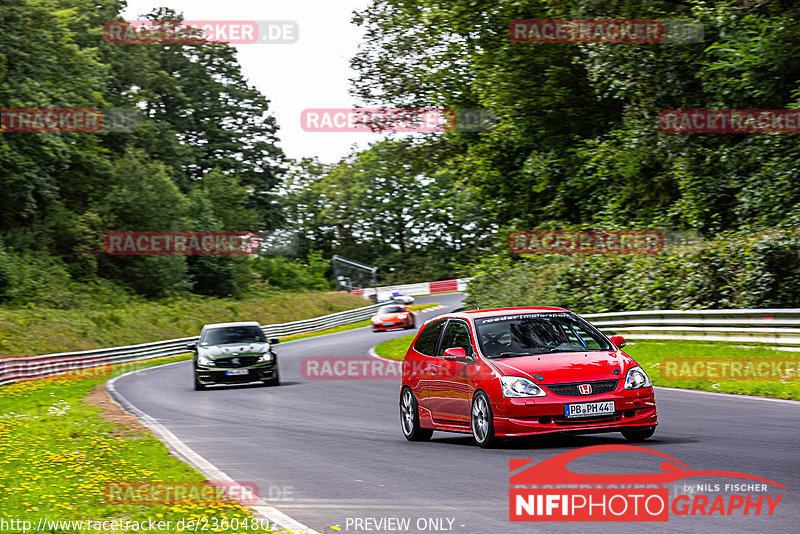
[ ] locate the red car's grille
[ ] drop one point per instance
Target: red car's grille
(563, 421)
(573, 389)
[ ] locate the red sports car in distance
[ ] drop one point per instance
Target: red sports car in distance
(392, 316)
(513, 372)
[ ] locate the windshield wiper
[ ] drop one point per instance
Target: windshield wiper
(512, 354)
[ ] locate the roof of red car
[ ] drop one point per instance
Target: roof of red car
(502, 311)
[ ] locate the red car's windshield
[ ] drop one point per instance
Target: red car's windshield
(537, 333)
(391, 309)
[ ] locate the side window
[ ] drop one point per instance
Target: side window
(456, 335)
(426, 342)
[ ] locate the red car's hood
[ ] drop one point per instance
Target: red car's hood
(567, 366)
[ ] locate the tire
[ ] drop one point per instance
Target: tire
(197, 385)
(638, 435)
(411, 324)
(409, 418)
(482, 421)
(276, 380)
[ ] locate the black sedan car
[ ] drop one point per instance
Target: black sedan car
(234, 353)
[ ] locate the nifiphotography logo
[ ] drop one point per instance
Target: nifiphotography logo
(549, 491)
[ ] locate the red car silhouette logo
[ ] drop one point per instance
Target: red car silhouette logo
(554, 470)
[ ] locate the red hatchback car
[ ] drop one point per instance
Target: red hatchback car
(511, 372)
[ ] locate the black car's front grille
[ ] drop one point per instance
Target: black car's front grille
(573, 389)
(236, 361)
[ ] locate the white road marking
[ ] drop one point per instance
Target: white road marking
(209, 470)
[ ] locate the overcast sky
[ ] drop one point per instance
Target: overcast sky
(311, 73)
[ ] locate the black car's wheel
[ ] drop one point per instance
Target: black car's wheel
(483, 421)
(197, 385)
(639, 435)
(275, 380)
(409, 418)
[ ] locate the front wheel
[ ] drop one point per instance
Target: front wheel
(275, 380)
(409, 418)
(197, 385)
(483, 421)
(638, 435)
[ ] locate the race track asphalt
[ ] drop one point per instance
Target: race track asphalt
(330, 452)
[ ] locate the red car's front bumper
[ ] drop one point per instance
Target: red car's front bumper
(541, 415)
(388, 325)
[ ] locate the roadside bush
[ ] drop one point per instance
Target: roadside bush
(732, 271)
(282, 273)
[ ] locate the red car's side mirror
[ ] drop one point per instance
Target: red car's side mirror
(456, 354)
(618, 341)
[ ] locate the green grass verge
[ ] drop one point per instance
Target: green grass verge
(57, 454)
(395, 349)
(649, 354)
(350, 326)
(31, 331)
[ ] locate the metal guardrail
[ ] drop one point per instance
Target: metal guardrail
(425, 288)
(775, 326)
(17, 369)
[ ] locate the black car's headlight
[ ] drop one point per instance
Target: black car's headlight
(266, 357)
(637, 378)
(516, 386)
(203, 360)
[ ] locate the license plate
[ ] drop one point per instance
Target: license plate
(388, 324)
(589, 409)
(232, 372)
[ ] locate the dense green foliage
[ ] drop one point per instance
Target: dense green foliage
(732, 271)
(578, 140)
(577, 144)
(203, 158)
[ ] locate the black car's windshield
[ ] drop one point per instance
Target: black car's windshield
(526, 334)
(232, 334)
(391, 309)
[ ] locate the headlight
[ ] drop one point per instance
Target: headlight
(375, 320)
(403, 316)
(202, 360)
(516, 386)
(637, 378)
(266, 357)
